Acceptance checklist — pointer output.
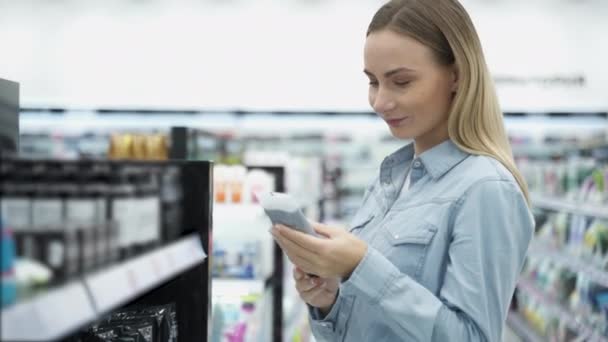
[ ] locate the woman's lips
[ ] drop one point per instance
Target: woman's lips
(396, 122)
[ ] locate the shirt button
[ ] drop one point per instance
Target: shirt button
(416, 164)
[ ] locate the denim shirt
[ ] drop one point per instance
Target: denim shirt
(443, 257)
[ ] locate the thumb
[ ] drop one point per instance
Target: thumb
(324, 230)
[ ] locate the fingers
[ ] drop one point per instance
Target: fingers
(304, 241)
(293, 249)
(322, 229)
(304, 265)
(315, 296)
(311, 293)
(306, 285)
(297, 273)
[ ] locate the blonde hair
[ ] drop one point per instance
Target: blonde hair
(475, 121)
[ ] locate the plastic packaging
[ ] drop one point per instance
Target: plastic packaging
(145, 324)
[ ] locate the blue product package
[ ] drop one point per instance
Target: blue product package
(7, 249)
(8, 289)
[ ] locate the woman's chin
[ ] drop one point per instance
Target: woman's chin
(402, 134)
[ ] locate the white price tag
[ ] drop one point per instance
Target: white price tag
(117, 285)
(38, 320)
(143, 271)
(184, 254)
(112, 287)
(161, 264)
(73, 297)
(156, 268)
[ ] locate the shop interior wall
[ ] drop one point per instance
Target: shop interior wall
(279, 55)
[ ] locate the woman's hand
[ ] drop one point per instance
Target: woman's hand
(318, 292)
(335, 256)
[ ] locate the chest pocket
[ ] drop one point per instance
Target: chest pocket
(407, 244)
(361, 219)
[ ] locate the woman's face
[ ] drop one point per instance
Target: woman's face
(408, 88)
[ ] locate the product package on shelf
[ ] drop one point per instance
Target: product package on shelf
(137, 146)
(238, 319)
(136, 324)
(8, 288)
(236, 259)
(237, 185)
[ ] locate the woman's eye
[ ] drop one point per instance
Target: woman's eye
(373, 83)
(402, 83)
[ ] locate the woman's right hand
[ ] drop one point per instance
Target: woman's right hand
(317, 292)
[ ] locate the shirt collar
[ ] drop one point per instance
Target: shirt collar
(442, 158)
(437, 161)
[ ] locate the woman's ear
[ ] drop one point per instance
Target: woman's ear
(455, 78)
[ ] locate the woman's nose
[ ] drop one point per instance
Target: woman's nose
(383, 103)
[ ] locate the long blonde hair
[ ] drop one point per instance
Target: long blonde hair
(475, 121)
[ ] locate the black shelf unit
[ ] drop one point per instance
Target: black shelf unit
(184, 283)
(9, 117)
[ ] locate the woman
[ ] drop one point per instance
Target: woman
(435, 250)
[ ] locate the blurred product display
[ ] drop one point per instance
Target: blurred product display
(564, 285)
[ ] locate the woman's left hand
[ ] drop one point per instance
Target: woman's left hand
(337, 255)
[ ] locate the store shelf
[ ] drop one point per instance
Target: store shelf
(564, 315)
(46, 317)
(521, 328)
(222, 287)
(120, 284)
(570, 262)
(557, 204)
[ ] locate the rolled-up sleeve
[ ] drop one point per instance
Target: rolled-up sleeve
(491, 230)
(331, 326)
